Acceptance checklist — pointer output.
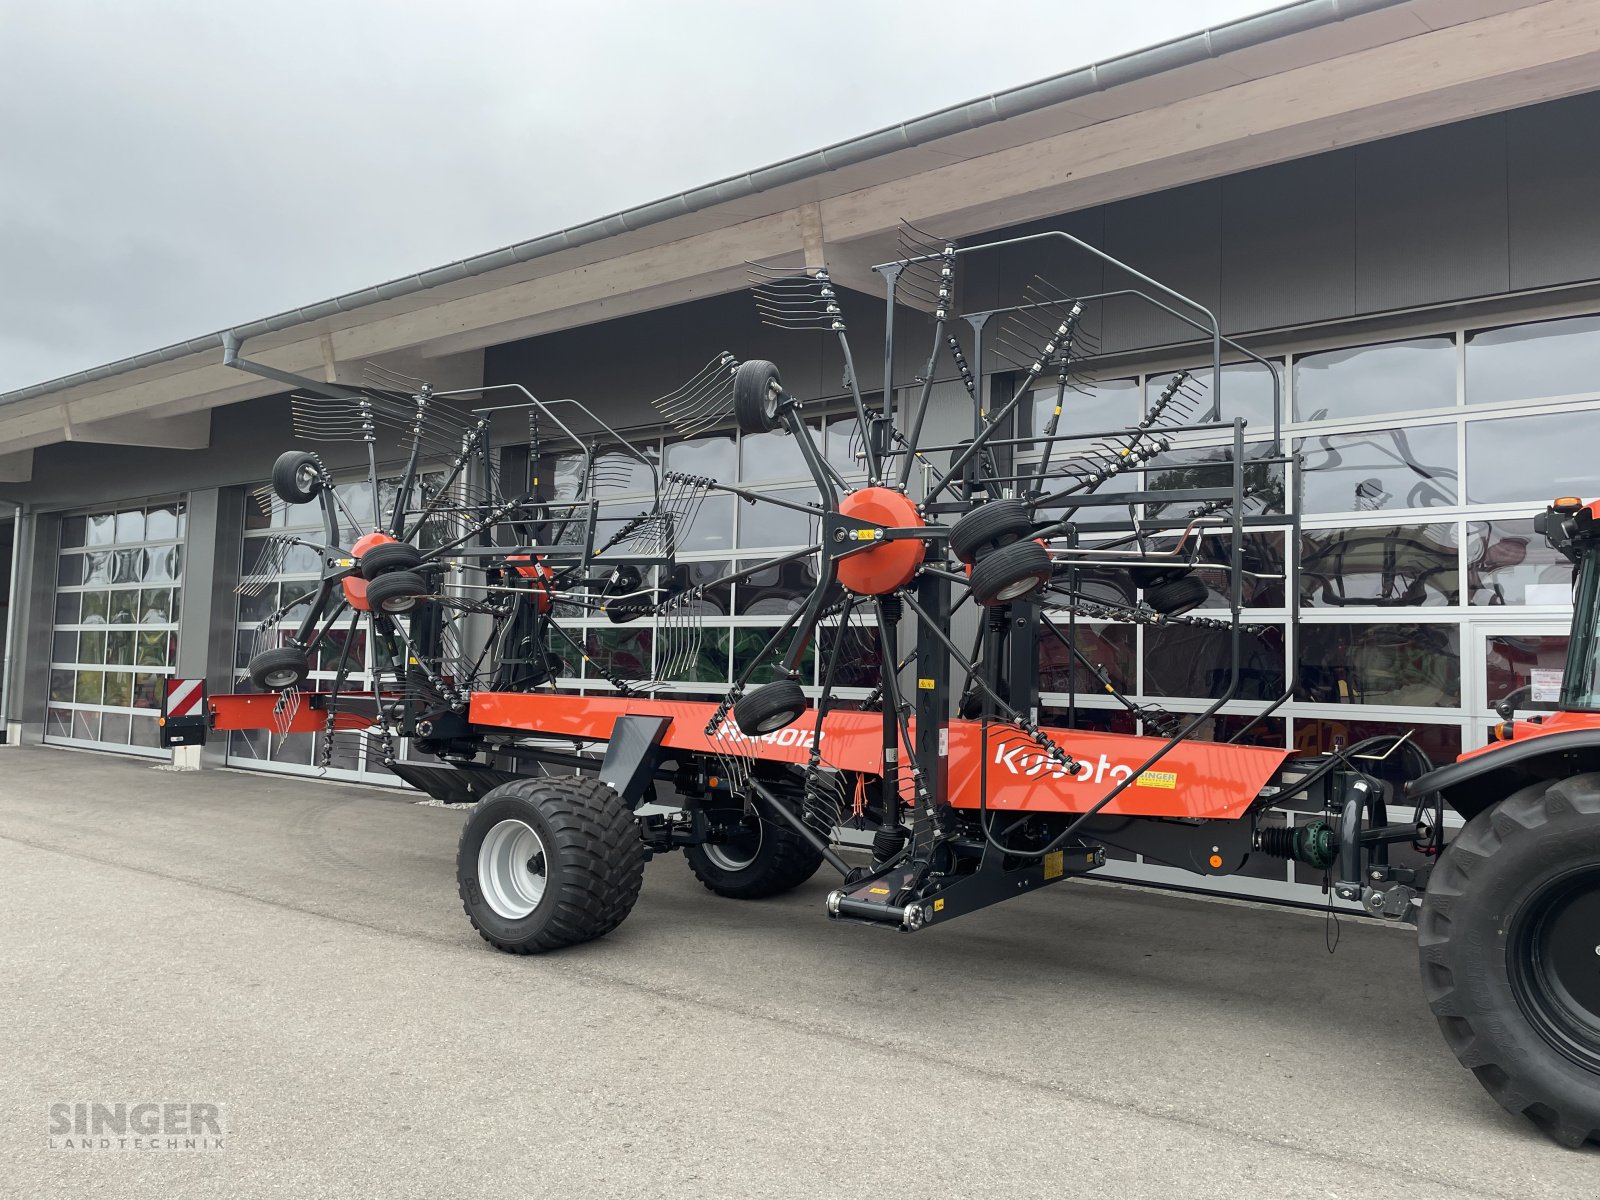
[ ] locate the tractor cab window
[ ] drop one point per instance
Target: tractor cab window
(1581, 687)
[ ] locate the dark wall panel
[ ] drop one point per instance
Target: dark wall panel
(1431, 219)
(1174, 237)
(1289, 243)
(1553, 155)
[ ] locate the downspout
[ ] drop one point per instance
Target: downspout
(12, 618)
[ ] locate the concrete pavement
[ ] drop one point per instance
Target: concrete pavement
(296, 952)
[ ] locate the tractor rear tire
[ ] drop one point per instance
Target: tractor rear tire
(761, 860)
(1510, 962)
(547, 862)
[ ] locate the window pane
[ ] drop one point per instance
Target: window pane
(1246, 392)
(1090, 406)
(1401, 664)
(1101, 720)
(1533, 458)
(161, 522)
(617, 473)
(119, 647)
(844, 445)
(1381, 469)
(1510, 663)
(1441, 743)
(64, 647)
(119, 689)
(777, 591)
(713, 457)
(88, 687)
(859, 657)
(764, 457)
(92, 647)
(711, 526)
(1186, 660)
(123, 607)
(716, 602)
(623, 652)
(748, 644)
(1523, 362)
(1391, 566)
(1213, 468)
(1507, 563)
(69, 570)
(102, 529)
(130, 526)
(74, 530)
(1370, 381)
(68, 608)
(155, 606)
(95, 607)
(765, 524)
(1108, 645)
(62, 685)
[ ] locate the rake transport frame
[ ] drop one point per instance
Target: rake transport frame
(464, 582)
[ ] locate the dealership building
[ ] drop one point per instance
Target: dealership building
(1397, 202)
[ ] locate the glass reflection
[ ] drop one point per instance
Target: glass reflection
(1507, 563)
(1107, 645)
(1533, 458)
(1402, 664)
(1246, 392)
(1389, 566)
(1369, 381)
(1380, 469)
(1183, 660)
(1090, 406)
(1524, 362)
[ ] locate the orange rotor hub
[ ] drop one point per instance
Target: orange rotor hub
(539, 578)
(885, 565)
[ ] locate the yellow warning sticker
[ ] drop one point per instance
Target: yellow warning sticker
(938, 906)
(879, 891)
(1158, 779)
(1055, 864)
(925, 684)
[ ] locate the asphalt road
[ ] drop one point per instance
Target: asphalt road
(295, 952)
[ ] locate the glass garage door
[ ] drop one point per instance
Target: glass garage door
(351, 756)
(119, 586)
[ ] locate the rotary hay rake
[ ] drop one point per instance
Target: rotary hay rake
(946, 564)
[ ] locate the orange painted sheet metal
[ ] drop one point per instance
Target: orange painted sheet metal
(1194, 779)
(1522, 731)
(260, 711)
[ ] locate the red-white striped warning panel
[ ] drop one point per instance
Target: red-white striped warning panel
(185, 698)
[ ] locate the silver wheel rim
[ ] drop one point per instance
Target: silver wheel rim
(397, 604)
(512, 869)
(776, 721)
(733, 858)
(1021, 588)
(307, 477)
(282, 678)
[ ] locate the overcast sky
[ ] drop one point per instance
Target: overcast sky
(172, 167)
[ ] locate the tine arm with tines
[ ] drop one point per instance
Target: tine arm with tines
(702, 402)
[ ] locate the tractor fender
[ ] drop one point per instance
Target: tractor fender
(1479, 779)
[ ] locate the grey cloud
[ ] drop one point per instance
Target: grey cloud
(167, 169)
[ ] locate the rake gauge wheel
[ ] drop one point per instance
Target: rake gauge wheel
(769, 708)
(757, 389)
(1010, 573)
(279, 669)
(297, 477)
(992, 525)
(396, 592)
(388, 556)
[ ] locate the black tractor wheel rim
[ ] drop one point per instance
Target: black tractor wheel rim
(1553, 958)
